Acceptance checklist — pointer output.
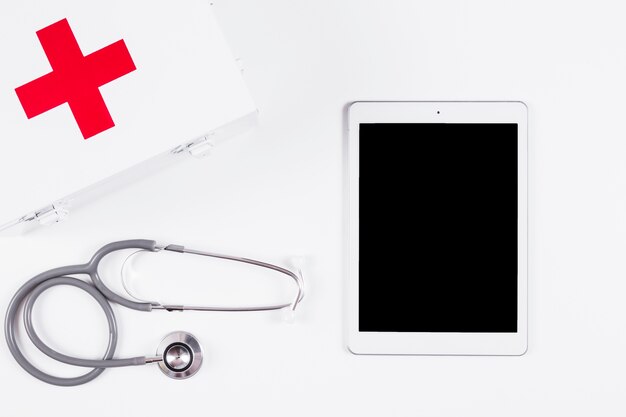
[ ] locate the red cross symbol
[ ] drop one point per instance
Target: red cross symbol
(75, 79)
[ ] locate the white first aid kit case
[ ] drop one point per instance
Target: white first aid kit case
(93, 93)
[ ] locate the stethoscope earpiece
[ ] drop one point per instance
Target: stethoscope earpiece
(179, 355)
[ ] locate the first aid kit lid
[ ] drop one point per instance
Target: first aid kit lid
(89, 89)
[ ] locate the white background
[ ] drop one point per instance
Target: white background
(279, 192)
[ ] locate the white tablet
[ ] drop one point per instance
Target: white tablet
(438, 228)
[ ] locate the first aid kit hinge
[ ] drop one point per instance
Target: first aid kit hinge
(198, 148)
(54, 213)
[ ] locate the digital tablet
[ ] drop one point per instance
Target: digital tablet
(438, 228)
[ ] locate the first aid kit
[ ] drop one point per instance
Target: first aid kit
(94, 94)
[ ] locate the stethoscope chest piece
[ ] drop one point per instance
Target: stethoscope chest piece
(181, 355)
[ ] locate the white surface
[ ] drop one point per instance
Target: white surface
(435, 343)
(186, 84)
(280, 192)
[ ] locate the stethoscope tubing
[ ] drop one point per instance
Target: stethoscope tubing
(33, 288)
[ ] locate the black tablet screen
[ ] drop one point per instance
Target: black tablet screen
(438, 227)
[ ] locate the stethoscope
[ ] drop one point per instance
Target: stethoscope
(179, 355)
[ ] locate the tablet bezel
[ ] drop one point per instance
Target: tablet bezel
(436, 343)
